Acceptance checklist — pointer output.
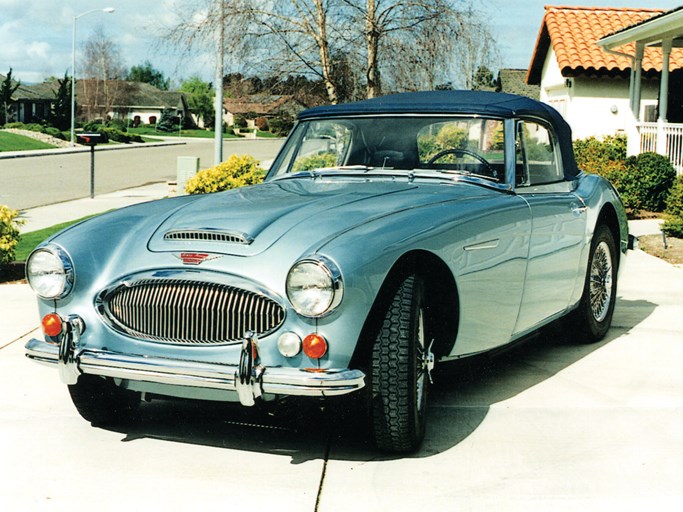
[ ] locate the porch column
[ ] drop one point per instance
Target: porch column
(664, 84)
(663, 99)
(635, 105)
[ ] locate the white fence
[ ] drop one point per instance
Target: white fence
(663, 138)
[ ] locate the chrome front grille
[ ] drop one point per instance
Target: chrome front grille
(189, 312)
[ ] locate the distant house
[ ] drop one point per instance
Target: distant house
(116, 99)
(590, 85)
(31, 103)
(136, 102)
(261, 105)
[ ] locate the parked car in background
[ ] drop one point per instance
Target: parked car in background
(390, 236)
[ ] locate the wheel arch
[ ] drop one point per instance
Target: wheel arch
(441, 296)
(609, 218)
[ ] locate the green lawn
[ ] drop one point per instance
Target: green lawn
(203, 134)
(13, 142)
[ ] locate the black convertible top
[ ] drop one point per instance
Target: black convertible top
(459, 102)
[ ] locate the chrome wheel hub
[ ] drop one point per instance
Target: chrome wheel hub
(601, 282)
(425, 362)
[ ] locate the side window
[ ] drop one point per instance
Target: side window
(323, 145)
(536, 160)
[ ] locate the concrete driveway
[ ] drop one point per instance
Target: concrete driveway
(548, 426)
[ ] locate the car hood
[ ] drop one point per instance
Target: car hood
(249, 220)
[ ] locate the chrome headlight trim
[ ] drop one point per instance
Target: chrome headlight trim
(314, 286)
(50, 272)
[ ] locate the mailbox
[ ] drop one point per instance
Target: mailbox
(91, 139)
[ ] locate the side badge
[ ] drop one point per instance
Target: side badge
(195, 258)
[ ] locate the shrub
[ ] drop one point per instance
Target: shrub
(643, 181)
(673, 225)
(261, 123)
(236, 171)
(54, 132)
(281, 125)
(9, 235)
(114, 134)
(599, 155)
(240, 121)
(320, 161)
(648, 179)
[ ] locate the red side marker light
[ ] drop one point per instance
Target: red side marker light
(315, 346)
(52, 324)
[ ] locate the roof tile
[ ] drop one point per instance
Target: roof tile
(574, 31)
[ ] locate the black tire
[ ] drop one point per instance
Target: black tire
(102, 402)
(399, 380)
(593, 317)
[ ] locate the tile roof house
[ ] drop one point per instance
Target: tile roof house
(261, 105)
(662, 33)
(136, 101)
(587, 83)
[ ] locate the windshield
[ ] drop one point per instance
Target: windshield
(468, 145)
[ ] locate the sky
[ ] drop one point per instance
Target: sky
(36, 35)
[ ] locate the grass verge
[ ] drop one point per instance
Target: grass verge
(14, 142)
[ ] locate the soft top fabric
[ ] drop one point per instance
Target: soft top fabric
(459, 102)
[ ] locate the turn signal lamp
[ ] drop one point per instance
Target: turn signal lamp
(52, 324)
(315, 346)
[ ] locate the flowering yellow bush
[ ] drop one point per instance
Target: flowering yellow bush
(236, 171)
(9, 234)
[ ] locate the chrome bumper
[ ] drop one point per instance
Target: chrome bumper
(249, 379)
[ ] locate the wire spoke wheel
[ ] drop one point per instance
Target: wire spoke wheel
(601, 282)
(592, 319)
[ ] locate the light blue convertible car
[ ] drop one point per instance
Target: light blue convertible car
(390, 235)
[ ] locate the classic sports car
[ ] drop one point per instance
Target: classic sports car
(390, 235)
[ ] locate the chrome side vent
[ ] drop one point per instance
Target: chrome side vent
(189, 312)
(208, 235)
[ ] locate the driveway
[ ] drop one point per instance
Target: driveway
(548, 426)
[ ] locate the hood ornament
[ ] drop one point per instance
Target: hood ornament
(196, 258)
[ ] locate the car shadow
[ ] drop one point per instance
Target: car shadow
(460, 399)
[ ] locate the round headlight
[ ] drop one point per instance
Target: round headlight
(50, 272)
(314, 287)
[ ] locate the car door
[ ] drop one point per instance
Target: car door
(558, 226)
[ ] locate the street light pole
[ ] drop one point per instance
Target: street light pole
(218, 100)
(108, 10)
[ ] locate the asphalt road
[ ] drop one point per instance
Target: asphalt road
(48, 179)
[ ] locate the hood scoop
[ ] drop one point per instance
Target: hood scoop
(208, 235)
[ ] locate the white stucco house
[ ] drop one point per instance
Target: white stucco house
(593, 83)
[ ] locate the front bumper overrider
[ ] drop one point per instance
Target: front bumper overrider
(249, 379)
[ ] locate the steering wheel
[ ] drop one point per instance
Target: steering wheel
(460, 153)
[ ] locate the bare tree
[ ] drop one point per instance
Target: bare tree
(475, 48)
(198, 23)
(406, 44)
(401, 34)
(300, 33)
(103, 73)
